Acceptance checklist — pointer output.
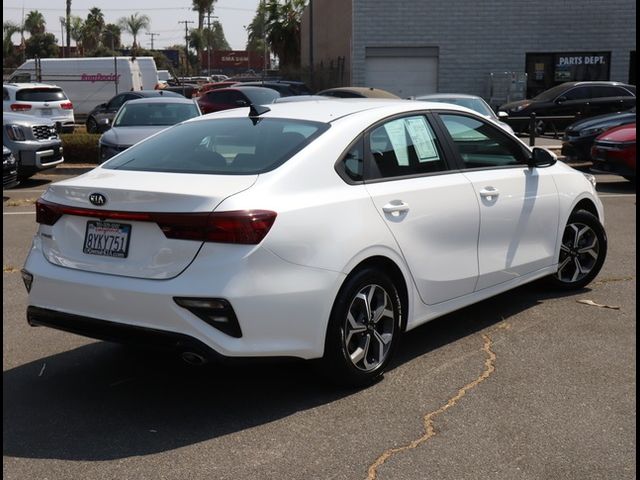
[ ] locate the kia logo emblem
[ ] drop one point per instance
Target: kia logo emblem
(97, 199)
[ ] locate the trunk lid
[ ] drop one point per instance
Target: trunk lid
(120, 242)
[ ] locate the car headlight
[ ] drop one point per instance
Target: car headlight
(15, 133)
(591, 178)
(588, 132)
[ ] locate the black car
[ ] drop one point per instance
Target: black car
(9, 169)
(106, 111)
(579, 136)
(569, 100)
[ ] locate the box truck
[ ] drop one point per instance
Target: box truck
(90, 81)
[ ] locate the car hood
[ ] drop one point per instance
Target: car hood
(602, 121)
(623, 133)
(127, 136)
(512, 105)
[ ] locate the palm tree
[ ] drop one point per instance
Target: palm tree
(76, 31)
(202, 7)
(111, 36)
(35, 22)
(93, 27)
(67, 24)
(133, 24)
(283, 30)
(8, 30)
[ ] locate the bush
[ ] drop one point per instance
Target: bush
(80, 147)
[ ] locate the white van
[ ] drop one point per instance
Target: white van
(90, 81)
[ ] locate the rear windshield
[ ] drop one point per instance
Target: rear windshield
(40, 95)
(227, 146)
(154, 114)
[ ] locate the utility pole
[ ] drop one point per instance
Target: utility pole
(311, 59)
(264, 38)
(186, 44)
(209, 17)
(152, 35)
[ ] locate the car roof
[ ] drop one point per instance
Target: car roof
(369, 92)
(435, 96)
(335, 108)
(595, 83)
(152, 93)
(30, 85)
(167, 99)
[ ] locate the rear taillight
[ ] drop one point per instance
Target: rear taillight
(20, 107)
(248, 227)
(66, 106)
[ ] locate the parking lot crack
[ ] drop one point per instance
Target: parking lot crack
(428, 419)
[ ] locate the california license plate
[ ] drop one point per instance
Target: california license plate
(107, 238)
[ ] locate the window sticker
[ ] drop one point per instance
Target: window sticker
(422, 139)
(395, 131)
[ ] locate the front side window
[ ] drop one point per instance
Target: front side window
(225, 146)
(404, 146)
(481, 145)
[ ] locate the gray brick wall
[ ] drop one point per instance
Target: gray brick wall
(478, 37)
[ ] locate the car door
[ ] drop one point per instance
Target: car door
(430, 209)
(519, 205)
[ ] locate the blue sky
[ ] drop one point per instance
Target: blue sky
(233, 14)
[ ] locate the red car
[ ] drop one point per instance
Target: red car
(235, 97)
(614, 151)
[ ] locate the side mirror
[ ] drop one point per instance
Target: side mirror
(502, 116)
(541, 157)
(561, 99)
(103, 125)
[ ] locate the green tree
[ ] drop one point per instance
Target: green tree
(43, 45)
(76, 31)
(283, 30)
(111, 36)
(255, 30)
(133, 24)
(93, 28)
(34, 23)
(9, 29)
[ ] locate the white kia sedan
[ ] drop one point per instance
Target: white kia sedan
(317, 230)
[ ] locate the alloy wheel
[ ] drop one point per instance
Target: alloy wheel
(578, 253)
(369, 328)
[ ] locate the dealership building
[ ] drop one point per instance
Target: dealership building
(494, 48)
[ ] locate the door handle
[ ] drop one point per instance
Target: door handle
(489, 192)
(396, 206)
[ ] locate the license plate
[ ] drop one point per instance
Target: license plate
(46, 111)
(107, 238)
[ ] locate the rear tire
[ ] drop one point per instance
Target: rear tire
(364, 329)
(582, 253)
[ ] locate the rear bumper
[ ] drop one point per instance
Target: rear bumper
(282, 308)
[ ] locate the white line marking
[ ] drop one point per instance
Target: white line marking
(13, 190)
(614, 195)
(18, 213)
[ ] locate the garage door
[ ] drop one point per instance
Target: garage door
(404, 76)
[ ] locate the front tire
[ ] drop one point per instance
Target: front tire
(582, 252)
(92, 125)
(364, 329)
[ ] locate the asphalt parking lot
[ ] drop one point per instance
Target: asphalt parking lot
(531, 384)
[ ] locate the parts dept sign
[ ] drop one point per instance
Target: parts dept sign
(581, 66)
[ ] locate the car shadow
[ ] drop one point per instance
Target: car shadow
(103, 401)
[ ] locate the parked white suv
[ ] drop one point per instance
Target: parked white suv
(40, 100)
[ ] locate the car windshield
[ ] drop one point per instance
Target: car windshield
(227, 146)
(474, 104)
(154, 114)
(551, 94)
(40, 95)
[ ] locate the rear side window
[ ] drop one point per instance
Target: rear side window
(227, 146)
(40, 95)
